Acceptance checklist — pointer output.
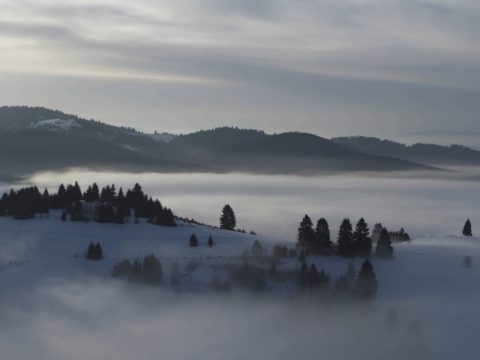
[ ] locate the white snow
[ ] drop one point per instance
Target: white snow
(130, 148)
(162, 137)
(60, 124)
(41, 261)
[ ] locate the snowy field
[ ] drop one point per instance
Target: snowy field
(62, 306)
(65, 307)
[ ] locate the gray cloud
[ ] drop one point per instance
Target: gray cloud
(381, 67)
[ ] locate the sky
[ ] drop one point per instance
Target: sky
(368, 67)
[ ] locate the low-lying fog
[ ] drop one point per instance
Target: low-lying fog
(102, 320)
(274, 205)
(98, 318)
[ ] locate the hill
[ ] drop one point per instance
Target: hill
(35, 139)
(47, 285)
(424, 153)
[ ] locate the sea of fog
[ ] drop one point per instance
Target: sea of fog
(273, 205)
(94, 317)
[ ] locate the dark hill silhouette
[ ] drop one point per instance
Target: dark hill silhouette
(424, 153)
(34, 139)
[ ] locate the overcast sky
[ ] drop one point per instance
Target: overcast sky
(333, 67)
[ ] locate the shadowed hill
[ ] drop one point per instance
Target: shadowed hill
(424, 153)
(35, 139)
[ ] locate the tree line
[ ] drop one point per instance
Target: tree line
(350, 242)
(109, 205)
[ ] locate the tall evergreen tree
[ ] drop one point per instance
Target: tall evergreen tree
(384, 248)
(323, 243)
(366, 286)
(98, 251)
(152, 270)
(345, 245)
(306, 234)
(361, 239)
(61, 197)
(227, 219)
(467, 229)
(193, 242)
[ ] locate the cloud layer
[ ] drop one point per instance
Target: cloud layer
(383, 67)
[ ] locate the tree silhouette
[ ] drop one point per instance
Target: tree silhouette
(227, 219)
(467, 229)
(366, 286)
(384, 249)
(361, 239)
(306, 234)
(193, 242)
(323, 244)
(345, 245)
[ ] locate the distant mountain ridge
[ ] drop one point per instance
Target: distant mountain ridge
(424, 153)
(35, 139)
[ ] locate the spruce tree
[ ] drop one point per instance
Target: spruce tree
(303, 275)
(90, 252)
(306, 234)
(384, 248)
(98, 252)
(361, 239)
(345, 245)
(467, 229)
(152, 270)
(227, 219)
(323, 243)
(193, 242)
(366, 286)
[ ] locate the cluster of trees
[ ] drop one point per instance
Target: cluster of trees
(94, 252)
(361, 285)
(148, 271)
(283, 252)
(400, 235)
(24, 203)
(350, 242)
(193, 241)
(316, 241)
(310, 278)
(104, 205)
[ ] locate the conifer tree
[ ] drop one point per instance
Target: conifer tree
(90, 252)
(345, 245)
(45, 208)
(323, 243)
(193, 242)
(61, 197)
(306, 234)
(303, 275)
(98, 255)
(366, 286)
(384, 248)
(152, 270)
(313, 278)
(227, 219)
(467, 229)
(361, 239)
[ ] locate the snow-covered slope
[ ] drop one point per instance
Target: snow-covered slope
(42, 259)
(56, 124)
(162, 137)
